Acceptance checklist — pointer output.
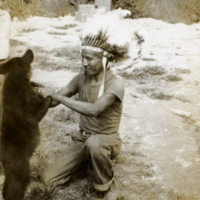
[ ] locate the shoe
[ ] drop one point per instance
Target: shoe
(100, 195)
(111, 193)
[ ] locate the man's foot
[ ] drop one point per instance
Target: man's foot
(110, 194)
(100, 195)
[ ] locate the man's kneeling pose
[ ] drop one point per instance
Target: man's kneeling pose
(100, 105)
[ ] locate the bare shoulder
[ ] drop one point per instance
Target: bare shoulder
(5, 14)
(115, 81)
(115, 85)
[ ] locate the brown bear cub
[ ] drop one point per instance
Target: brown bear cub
(23, 109)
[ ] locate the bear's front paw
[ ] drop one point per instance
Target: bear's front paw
(40, 96)
(49, 99)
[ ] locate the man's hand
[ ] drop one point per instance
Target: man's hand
(55, 96)
(54, 102)
(79, 138)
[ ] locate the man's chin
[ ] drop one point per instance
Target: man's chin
(88, 73)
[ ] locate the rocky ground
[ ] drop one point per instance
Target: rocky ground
(160, 124)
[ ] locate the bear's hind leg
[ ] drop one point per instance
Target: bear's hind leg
(16, 182)
(5, 188)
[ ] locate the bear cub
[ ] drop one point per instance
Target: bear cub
(22, 110)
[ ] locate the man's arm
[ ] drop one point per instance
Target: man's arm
(85, 108)
(63, 92)
(68, 91)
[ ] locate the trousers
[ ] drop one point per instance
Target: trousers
(97, 150)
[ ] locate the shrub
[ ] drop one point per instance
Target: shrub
(172, 11)
(48, 8)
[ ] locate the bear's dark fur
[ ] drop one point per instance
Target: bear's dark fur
(23, 109)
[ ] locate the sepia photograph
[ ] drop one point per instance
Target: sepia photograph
(99, 100)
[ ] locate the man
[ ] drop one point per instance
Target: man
(5, 27)
(100, 105)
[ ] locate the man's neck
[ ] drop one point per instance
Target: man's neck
(95, 80)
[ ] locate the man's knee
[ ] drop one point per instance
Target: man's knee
(92, 146)
(46, 177)
(49, 174)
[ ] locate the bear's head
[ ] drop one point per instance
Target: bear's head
(18, 65)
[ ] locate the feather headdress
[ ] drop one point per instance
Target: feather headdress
(101, 32)
(108, 33)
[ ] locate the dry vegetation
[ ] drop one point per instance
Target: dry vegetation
(173, 11)
(52, 8)
(153, 81)
(133, 170)
(179, 11)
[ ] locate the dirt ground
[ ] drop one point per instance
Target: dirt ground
(160, 153)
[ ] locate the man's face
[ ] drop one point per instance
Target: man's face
(92, 62)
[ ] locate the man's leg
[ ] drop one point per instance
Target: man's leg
(100, 150)
(68, 165)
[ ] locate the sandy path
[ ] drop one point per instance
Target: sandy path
(167, 141)
(171, 142)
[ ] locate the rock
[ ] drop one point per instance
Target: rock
(15, 19)
(197, 124)
(182, 113)
(2, 178)
(125, 13)
(135, 94)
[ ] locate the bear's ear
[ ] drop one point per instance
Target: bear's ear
(2, 69)
(28, 57)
